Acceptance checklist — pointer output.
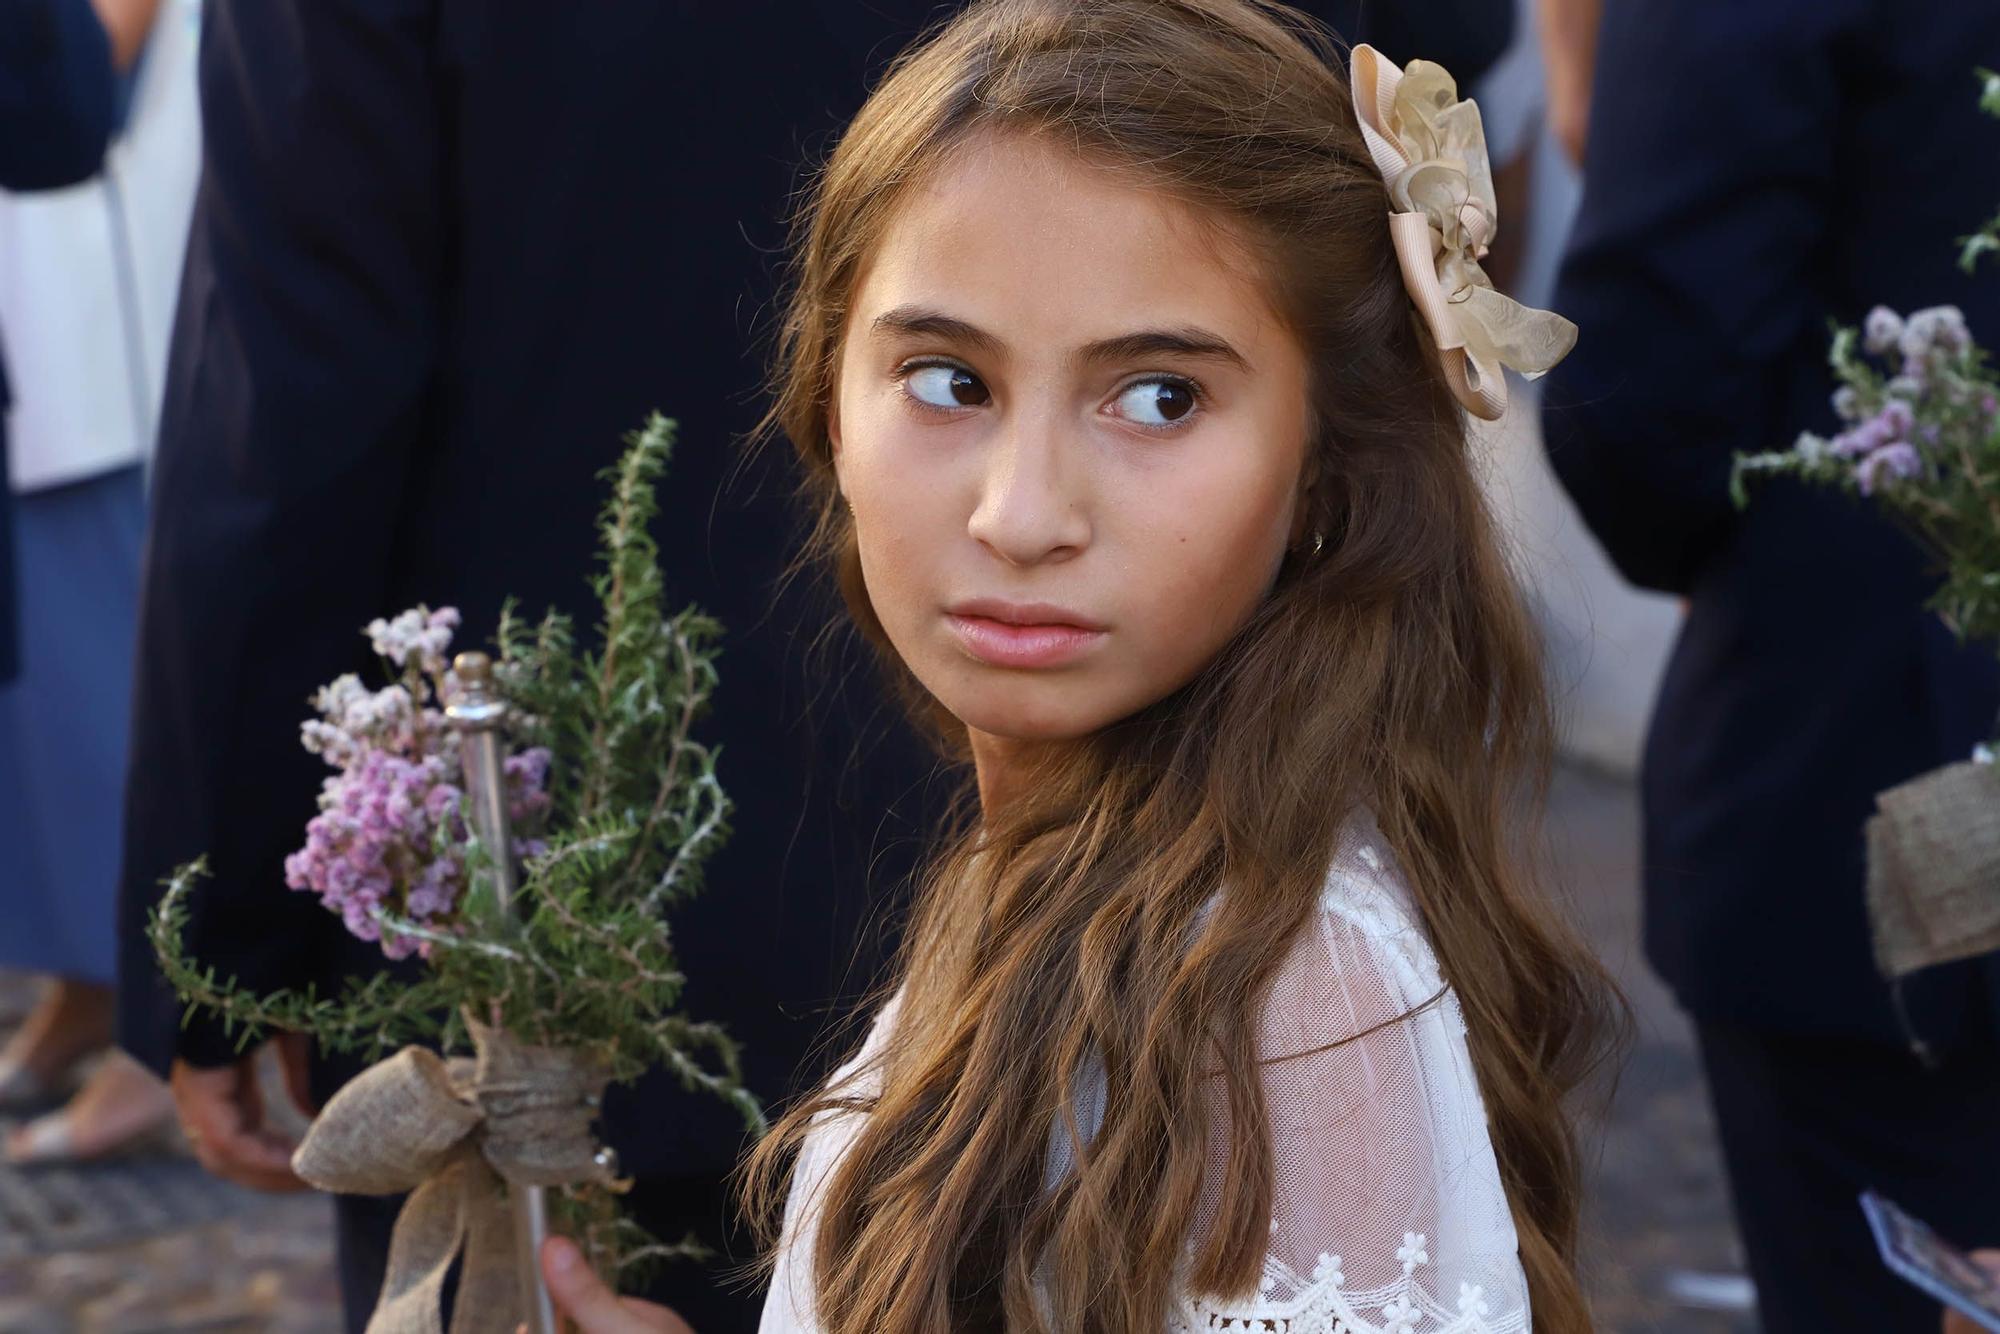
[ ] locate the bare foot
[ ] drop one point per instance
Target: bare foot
(120, 1105)
(71, 1022)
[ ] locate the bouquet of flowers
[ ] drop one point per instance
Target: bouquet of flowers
(385, 852)
(1919, 403)
(540, 926)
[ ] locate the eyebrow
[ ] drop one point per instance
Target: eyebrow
(1200, 344)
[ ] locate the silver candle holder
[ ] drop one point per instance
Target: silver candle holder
(478, 712)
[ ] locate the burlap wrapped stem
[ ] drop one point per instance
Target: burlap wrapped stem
(452, 1132)
(1934, 868)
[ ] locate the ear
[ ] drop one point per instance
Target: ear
(1305, 499)
(834, 444)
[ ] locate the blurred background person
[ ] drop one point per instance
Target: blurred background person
(87, 280)
(1568, 40)
(58, 103)
(1750, 173)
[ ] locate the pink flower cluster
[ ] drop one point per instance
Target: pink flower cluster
(390, 832)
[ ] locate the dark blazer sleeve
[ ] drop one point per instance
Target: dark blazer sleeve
(302, 353)
(1708, 179)
(1464, 36)
(57, 93)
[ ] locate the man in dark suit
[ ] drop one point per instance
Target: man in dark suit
(1754, 171)
(58, 93)
(58, 102)
(443, 255)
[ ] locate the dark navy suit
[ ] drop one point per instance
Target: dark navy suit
(1755, 171)
(443, 256)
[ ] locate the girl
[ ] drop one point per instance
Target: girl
(1134, 424)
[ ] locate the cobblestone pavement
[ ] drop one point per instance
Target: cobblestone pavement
(152, 1246)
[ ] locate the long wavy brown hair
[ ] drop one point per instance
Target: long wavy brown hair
(1396, 668)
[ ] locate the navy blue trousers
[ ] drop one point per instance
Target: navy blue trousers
(1808, 1123)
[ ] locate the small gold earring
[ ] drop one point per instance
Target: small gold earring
(1319, 543)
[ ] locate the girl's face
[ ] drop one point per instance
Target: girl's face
(1071, 430)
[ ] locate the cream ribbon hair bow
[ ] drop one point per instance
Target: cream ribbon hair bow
(1431, 150)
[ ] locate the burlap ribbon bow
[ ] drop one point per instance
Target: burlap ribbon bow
(1934, 868)
(452, 1132)
(1431, 151)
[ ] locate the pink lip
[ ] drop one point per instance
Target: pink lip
(1033, 634)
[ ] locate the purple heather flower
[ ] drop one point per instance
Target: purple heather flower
(436, 889)
(397, 946)
(441, 801)
(1897, 419)
(531, 766)
(1899, 461)
(419, 633)
(395, 795)
(371, 844)
(340, 879)
(1930, 336)
(1862, 440)
(1882, 330)
(359, 923)
(526, 776)
(1948, 328)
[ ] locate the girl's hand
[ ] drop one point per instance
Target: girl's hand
(593, 1308)
(1954, 1323)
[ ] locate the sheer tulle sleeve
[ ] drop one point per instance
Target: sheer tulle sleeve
(789, 1306)
(1389, 1216)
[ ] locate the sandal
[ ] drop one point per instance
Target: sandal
(53, 1138)
(50, 1141)
(22, 1090)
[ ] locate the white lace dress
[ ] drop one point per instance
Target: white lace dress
(1388, 1217)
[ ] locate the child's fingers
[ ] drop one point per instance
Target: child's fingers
(1954, 1323)
(579, 1293)
(594, 1308)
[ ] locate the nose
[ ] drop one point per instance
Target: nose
(1033, 508)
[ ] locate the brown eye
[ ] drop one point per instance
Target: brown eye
(947, 387)
(1157, 402)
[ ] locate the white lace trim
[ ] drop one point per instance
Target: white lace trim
(1322, 1304)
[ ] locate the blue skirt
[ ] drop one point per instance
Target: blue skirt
(63, 725)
